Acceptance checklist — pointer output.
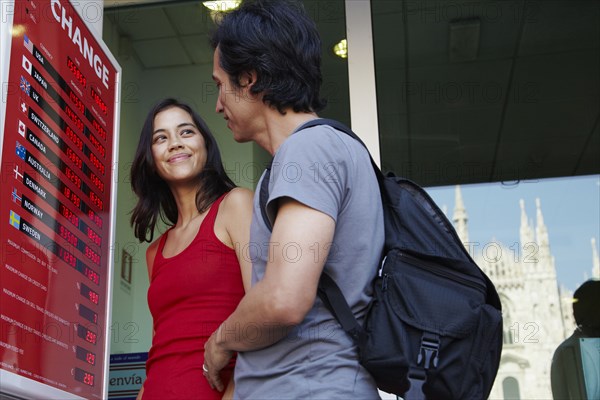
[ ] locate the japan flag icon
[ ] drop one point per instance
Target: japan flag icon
(22, 128)
(26, 65)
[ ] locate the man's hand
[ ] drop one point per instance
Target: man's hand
(215, 359)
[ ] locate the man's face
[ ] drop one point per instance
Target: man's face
(235, 103)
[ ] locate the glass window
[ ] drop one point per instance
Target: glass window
(511, 388)
(471, 92)
(537, 242)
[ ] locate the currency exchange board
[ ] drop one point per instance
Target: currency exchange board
(58, 149)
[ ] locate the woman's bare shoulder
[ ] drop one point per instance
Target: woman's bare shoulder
(236, 209)
(238, 197)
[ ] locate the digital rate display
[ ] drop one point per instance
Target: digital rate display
(56, 210)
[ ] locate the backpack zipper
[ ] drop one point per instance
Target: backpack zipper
(441, 272)
(380, 273)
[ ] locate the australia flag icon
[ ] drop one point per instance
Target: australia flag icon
(21, 151)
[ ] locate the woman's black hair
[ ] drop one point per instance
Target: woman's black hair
(280, 42)
(154, 195)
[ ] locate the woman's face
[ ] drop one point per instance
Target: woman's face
(178, 147)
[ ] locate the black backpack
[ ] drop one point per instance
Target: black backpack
(434, 327)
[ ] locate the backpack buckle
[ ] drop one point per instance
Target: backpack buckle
(430, 345)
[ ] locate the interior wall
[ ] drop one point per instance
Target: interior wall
(140, 90)
(131, 326)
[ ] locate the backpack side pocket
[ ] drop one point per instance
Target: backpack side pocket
(485, 357)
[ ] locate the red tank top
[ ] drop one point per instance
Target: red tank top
(190, 295)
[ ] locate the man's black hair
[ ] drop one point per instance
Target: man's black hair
(280, 42)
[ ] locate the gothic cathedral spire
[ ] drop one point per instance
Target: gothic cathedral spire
(526, 232)
(595, 261)
(541, 233)
(460, 217)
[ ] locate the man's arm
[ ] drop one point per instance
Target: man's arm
(297, 253)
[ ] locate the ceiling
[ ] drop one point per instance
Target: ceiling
(468, 91)
(163, 33)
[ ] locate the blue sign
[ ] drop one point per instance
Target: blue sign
(127, 374)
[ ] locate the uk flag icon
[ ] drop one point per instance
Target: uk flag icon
(25, 86)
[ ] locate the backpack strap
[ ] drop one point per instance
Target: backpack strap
(426, 359)
(343, 128)
(264, 187)
(264, 195)
(328, 291)
(332, 297)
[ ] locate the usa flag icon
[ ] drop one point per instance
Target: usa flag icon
(28, 44)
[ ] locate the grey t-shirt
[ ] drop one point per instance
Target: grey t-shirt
(328, 171)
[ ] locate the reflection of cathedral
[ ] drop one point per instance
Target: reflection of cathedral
(537, 313)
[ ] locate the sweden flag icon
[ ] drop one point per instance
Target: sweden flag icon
(15, 219)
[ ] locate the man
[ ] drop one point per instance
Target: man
(324, 206)
(574, 372)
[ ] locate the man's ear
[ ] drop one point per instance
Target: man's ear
(253, 77)
(248, 79)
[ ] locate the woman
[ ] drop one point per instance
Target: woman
(196, 268)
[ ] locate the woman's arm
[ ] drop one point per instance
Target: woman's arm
(140, 394)
(237, 215)
(228, 393)
(285, 294)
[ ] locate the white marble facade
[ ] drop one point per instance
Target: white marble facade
(537, 311)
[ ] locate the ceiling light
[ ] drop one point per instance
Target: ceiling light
(222, 5)
(341, 49)
(218, 7)
(18, 30)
